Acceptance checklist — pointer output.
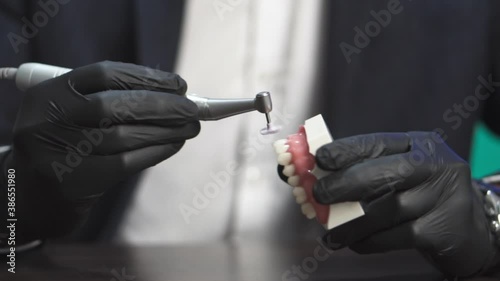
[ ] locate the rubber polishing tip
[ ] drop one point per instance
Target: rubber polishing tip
(270, 129)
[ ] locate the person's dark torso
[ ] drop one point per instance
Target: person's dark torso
(83, 32)
(413, 71)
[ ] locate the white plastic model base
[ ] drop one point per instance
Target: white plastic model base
(317, 135)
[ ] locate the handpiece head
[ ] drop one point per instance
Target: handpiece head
(215, 109)
(263, 104)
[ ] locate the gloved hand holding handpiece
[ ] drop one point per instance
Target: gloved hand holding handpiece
(83, 132)
(80, 132)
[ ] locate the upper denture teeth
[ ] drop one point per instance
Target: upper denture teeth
(284, 158)
(289, 170)
(293, 180)
(281, 149)
(280, 146)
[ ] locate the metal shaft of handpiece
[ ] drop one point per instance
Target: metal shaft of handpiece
(215, 109)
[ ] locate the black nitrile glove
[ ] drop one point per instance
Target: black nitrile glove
(416, 193)
(81, 133)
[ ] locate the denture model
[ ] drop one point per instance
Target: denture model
(296, 154)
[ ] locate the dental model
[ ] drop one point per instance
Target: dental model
(296, 154)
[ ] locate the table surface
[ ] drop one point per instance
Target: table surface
(215, 261)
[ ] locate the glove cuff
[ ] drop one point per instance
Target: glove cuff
(491, 199)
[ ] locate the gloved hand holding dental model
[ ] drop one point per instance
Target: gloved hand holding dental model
(416, 193)
(79, 134)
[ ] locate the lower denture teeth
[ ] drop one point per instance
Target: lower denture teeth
(300, 195)
(308, 210)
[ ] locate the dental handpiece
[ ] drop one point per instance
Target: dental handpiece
(30, 74)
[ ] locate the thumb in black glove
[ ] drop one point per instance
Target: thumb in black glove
(83, 132)
(416, 193)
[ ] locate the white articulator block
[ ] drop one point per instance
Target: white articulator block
(318, 135)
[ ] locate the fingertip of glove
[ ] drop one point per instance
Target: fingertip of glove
(180, 84)
(189, 108)
(170, 150)
(324, 159)
(183, 86)
(178, 145)
(319, 192)
(195, 128)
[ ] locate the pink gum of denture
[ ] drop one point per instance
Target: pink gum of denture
(304, 163)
